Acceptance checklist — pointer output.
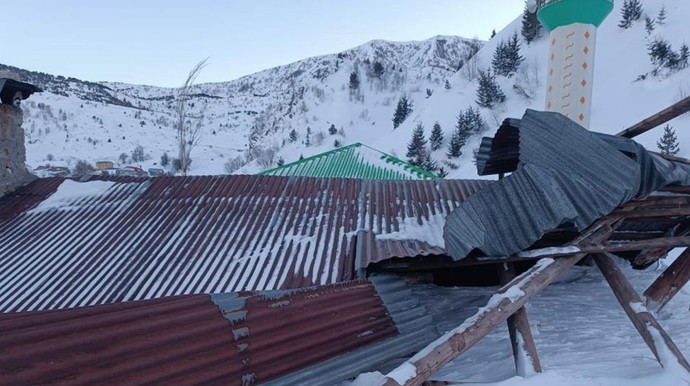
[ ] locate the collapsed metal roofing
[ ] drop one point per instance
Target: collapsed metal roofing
(318, 335)
(562, 175)
(353, 161)
(67, 244)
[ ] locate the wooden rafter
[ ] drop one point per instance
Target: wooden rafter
(669, 282)
(507, 300)
(658, 119)
(646, 324)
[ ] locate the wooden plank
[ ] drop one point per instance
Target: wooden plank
(661, 242)
(524, 350)
(661, 212)
(646, 324)
(507, 300)
(669, 282)
(663, 116)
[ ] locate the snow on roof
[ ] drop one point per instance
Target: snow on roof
(136, 238)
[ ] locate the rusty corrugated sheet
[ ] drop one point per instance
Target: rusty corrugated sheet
(147, 238)
(189, 340)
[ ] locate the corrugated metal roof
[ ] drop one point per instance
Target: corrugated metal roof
(565, 175)
(101, 242)
(239, 338)
(353, 161)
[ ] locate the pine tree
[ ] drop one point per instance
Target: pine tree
(436, 139)
(332, 130)
(455, 145)
(507, 59)
(649, 25)
(307, 140)
(416, 148)
(354, 81)
(377, 69)
(402, 110)
(473, 122)
(661, 17)
(293, 135)
(531, 28)
(165, 160)
(631, 11)
(668, 143)
(493, 33)
(301, 157)
(443, 173)
(683, 57)
(489, 93)
(660, 52)
(281, 161)
(447, 85)
(336, 143)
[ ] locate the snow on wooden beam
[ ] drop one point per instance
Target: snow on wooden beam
(669, 283)
(507, 300)
(665, 351)
(524, 350)
(661, 242)
(658, 119)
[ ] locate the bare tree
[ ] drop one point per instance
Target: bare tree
(188, 133)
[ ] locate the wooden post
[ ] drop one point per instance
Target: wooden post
(669, 283)
(653, 334)
(524, 349)
(507, 300)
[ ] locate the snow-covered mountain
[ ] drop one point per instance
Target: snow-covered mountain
(74, 119)
(100, 121)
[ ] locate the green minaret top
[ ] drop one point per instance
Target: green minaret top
(557, 13)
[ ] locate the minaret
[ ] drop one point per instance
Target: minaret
(572, 25)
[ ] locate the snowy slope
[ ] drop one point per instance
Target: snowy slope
(77, 120)
(81, 120)
(618, 101)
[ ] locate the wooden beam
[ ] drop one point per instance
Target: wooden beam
(524, 350)
(661, 242)
(663, 116)
(659, 212)
(669, 282)
(507, 300)
(646, 324)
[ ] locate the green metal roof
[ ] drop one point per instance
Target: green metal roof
(353, 161)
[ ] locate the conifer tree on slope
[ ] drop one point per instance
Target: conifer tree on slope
(402, 110)
(668, 143)
(436, 138)
(489, 93)
(661, 16)
(455, 145)
(416, 148)
(507, 59)
(531, 28)
(631, 11)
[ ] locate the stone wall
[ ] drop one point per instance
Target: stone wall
(13, 171)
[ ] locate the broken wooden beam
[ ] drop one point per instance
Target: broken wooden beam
(667, 285)
(507, 300)
(646, 324)
(524, 350)
(658, 119)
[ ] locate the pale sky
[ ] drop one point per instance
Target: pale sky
(157, 42)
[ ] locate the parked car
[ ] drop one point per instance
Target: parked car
(155, 172)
